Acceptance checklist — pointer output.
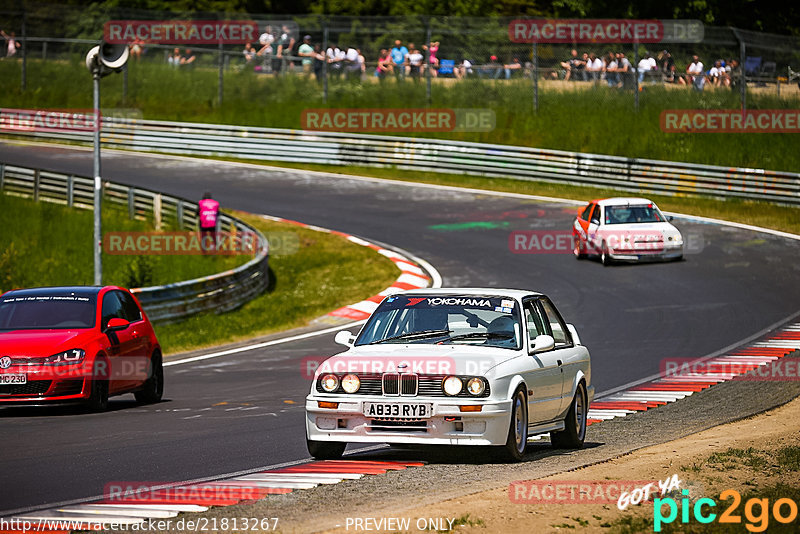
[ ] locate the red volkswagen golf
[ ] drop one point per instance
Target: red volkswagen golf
(76, 344)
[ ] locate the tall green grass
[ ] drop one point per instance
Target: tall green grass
(578, 117)
(45, 244)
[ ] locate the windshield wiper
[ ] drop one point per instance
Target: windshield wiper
(418, 334)
(488, 335)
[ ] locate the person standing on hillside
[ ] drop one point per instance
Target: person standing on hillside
(208, 217)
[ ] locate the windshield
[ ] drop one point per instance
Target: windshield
(633, 214)
(46, 312)
(457, 319)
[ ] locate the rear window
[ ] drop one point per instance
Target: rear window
(46, 312)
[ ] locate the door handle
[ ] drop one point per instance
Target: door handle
(560, 362)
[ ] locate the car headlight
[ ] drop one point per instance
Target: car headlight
(476, 386)
(350, 383)
(329, 383)
(65, 358)
(452, 385)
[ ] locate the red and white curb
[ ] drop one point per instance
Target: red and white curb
(412, 275)
(664, 390)
(160, 503)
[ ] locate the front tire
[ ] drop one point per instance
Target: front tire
(577, 249)
(605, 257)
(98, 395)
(574, 432)
(153, 388)
(514, 449)
(325, 450)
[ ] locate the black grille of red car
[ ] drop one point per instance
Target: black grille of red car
(34, 387)
(68, 387)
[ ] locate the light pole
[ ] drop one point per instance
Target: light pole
(101, 61)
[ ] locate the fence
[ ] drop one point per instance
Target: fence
(466, 47)
(268, 144)
(218, 292)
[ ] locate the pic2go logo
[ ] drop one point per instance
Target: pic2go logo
(756, 521)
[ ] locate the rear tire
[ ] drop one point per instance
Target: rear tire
(574, 432)
(514, 449)
(98, 396)
(153, 388)
(325, 450)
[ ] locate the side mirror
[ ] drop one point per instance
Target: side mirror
(543, 343)
(575, 337)
(670, 218)
(116, 323)
(344, 337)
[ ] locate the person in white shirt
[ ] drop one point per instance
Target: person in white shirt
(352, 65)
(594, 67)
(335, 57)
(646, 64)
(414, 60)
(463, 70)
(694, 74)
(612, 77)
(715, 73)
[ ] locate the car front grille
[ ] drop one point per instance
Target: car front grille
(406, 385)
(34, 387)
(397, 425)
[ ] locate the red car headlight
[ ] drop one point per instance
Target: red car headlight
(67, 357)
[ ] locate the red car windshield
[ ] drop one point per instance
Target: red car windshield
(46, 312)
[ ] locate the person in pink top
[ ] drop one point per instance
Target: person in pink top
(433, 61)
(207, 215)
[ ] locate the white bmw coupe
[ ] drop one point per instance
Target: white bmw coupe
(454, 367)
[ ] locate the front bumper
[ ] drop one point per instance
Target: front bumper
(47, 385)
(446, 426)
(663, 254)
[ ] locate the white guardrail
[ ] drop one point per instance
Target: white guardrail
(269, 144)
(218, 292)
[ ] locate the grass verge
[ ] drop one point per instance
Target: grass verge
(46, 244)
(321, 273)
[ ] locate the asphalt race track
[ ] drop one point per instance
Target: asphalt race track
(246, 410)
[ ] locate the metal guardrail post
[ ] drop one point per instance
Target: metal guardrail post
(636, 76)
(125, 83)
(36, 178)
(44, 50)
(427, 60)
(2, 175)
(131, 203)
(24, 78)
(157, 211)
(325, 61)
(535, 77)
(179, 214)
(220, 79)
(70, 190)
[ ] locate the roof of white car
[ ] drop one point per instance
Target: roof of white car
(623, 201)
(479, 291)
